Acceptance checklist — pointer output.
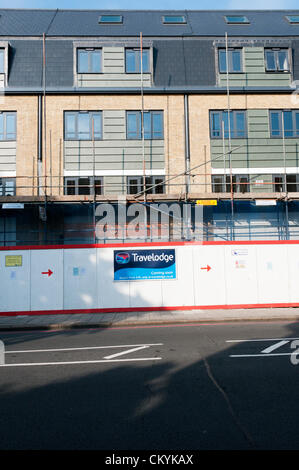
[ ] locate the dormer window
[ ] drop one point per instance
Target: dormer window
(133, 61)
(277, 60)
(89, 60)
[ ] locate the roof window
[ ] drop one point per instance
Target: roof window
(178, 19)
(111, 19)
(236, 19)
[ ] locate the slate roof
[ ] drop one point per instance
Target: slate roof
(15, 22)
(181, 59)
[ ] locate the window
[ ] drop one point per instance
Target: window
(7, 187)
(179, 19)
(89, 60)
(284, 123)
(219, 122)
(135, 184)
(8, 126)
(83, 125)
(133, 61)
(234, 19)
(152, 124)
(235, 63)
(111, 19)
(2, 52)
(222, 184)
(293, 19)
(83, 185)
(277, 60)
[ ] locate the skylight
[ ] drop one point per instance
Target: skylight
(234, 19)
(293, 19)
(178, 19)
(111, 19)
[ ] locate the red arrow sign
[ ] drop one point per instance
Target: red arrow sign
(207, 268)
(49, 272)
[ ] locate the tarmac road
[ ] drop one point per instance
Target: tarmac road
(199, 386)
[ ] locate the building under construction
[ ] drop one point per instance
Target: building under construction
(153, 108)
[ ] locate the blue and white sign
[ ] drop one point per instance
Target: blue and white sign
(138, 265)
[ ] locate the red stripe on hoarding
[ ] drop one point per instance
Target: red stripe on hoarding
(145, 244)
(148, 309)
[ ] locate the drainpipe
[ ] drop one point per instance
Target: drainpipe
(187, 145)
(40, 145)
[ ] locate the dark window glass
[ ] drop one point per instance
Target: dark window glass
(133, 185)
(278, 184)
(7, 187)
(70, 187)
(83, 186)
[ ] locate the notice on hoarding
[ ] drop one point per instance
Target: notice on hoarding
(138, 265)
(11, 261)
(206, 202)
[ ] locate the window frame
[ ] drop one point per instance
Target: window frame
(234, 113)
(276, 51)
(76, 131)
(76, 186)
(5, 115)
(150, 181)
(2, 60)
(89, 51)
(3, 190)
(230, 51)
(294, 130)
(225, 183)
(138, 133)
(138, 62)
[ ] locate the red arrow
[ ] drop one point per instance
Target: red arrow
(207, 268)
(49, 272)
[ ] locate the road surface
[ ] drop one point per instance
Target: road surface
(200, 387)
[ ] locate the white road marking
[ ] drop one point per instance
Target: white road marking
(82, 349)
(252, 340)
(125, 352)
(80, 362)
(261, 355)
(274, 346)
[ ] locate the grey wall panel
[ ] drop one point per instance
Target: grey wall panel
(8, 152)
(106, 155)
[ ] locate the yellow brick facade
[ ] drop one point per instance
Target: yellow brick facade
(174, 132)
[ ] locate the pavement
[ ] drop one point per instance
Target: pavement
(106, 320)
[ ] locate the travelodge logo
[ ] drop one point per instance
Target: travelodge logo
(122, 258)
